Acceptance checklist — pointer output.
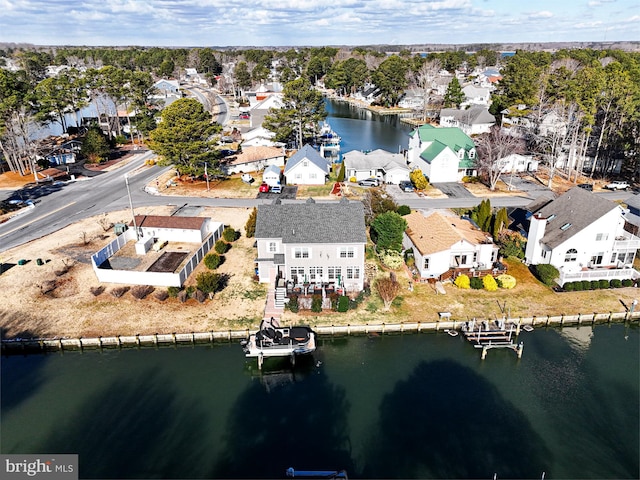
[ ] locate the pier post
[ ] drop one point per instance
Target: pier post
(60, 345)
(260, 360)
(484, 353)
(193, 338)
(100, 342)
(175, 340)
(138, 339)
(383, 328)
(80, 345)
(119, 341)
(520, 347)
(348, 329)
(419, 326)
(155, 339)
(518, 327)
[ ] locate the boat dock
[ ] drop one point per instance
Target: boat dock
(493, 334)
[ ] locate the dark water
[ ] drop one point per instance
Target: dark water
(410, 406)
(363, 130)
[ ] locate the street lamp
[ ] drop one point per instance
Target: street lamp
(133, 214)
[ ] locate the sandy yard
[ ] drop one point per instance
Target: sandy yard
(46, 300)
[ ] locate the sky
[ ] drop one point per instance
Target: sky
(228, 23)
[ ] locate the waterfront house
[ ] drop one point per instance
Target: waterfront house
(307, 167)
(445, 245)
(474, 95)
(632, 214)
(308, 247)
(253, 159)
(472, 121)
(444, 154)
(260, 137)
(386, 166)
(583, 235)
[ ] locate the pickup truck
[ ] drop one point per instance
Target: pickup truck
(617, 185)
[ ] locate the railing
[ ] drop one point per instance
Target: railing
(626, 241)
(599, 274)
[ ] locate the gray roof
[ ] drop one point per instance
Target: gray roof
(633, 202)
(311, 222)
(376, 159)
(574, 211)
(310, 154)
(471, 116)
(271, 169)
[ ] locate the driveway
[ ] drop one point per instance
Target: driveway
(523, 183)
(288, 193)
(453, 190)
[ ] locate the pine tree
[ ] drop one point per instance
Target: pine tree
(501, 221)
(454, 95)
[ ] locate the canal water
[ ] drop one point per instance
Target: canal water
(403, 406)
(364, 130)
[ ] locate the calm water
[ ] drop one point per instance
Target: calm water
(363, 130)
(410, 406)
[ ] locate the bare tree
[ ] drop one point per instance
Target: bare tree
(388, 290)
(493, 148)
(426, 82)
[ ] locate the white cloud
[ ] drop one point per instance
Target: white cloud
(542, 14)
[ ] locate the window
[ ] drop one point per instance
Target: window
(601, 237)
(297, 273)
(313, 175)
(315, 274)
(305, 163)
(459, 260)
(426, 263)
(272, 247)
(494, 256)
(544, 254)
(571, 255)
(301, 252)
(597, 258)
(353, 273)
(333, 273)
(472, 153)
(347, 252)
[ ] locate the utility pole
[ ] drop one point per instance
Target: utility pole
(133, 214)
(206, 175)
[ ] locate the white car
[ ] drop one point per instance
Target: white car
(617, 185)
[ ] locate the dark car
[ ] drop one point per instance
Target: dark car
(586, 186)
(406, 186)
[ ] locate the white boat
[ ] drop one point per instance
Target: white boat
(453, 333)
(275, 341)
(527, 328)
(328, 142)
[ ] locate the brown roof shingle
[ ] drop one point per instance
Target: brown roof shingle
(437, 232)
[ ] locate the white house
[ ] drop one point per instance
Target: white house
(442, 242)
(311, 243)
(474, 95)
(260, 137)
(307, 167)
(583, 235)
(259, 109)
(386, 166)
(253, 159)
(165, 88)
(472, 121)
(516, 163)
(271, 175)
(191, 75)
(632, 214)
(444, 154)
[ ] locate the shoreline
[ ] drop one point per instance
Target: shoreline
(43, 345)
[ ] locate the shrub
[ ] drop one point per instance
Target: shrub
(173, 291)
(476, 283)
(119, 291)
(141, 291)
(162, 295)
(316, 303)
(95, 291)
(221, 247)
(616, 283)
(462, 281)
(511, 243)
(603, 283)
(489, 283)
(594, 285)
(577, 286)
(506, 281)
(190, 291)
(569, 287)
(403, 210)
(353, 179)
(343, 303)
(212, 260)
(418, 179)
(208, 282)
(586, 285)
(391, 259)
(546, 273)
(627, 282)
(293, 303)
(250, 226)
(229, 234)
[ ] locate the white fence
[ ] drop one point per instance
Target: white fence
(600, 274)
(157, 279)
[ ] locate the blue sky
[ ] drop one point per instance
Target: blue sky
(314, 22)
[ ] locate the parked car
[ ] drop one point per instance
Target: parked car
(276, 189)
(406, 186)
(264, 188)
(369, 182)
(244, 116)
(586, 186)
(617, 185)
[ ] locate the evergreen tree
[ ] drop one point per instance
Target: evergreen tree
(500, 222)
(95, 146)
(341, 173)
(250, 226)
(454, 95)
(387, 229)
(391, 79)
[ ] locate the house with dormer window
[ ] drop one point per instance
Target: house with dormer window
(307, 167)
(444, 154)
(583, 235)
(309, 247)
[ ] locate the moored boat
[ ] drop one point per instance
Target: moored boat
(273, 340)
